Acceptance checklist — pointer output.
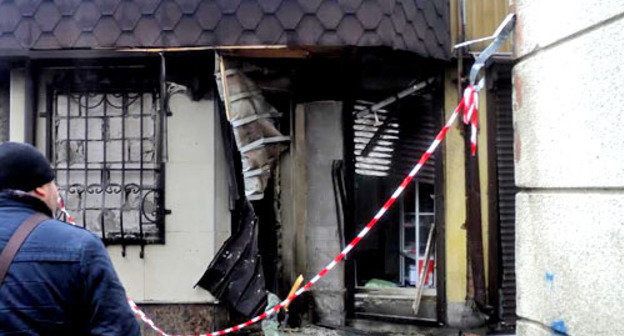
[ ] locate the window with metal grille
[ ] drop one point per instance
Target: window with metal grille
(105, 150)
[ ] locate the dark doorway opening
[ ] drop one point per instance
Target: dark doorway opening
(388, 263)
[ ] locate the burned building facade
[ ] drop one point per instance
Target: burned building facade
(222, 148)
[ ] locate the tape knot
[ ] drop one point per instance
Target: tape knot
(470, 115)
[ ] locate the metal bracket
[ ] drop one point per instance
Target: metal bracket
(500, 35)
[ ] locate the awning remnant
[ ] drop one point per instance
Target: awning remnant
(251, 116)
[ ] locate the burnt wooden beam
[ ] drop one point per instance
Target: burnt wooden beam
(473, 223)
(440, 245)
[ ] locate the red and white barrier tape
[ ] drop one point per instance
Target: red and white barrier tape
(468, 106)
(141, 315)
(470, 103)
(68, 218)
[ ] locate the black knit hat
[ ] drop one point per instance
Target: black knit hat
(23, 167)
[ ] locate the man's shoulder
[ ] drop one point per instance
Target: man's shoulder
(64, 228)
(58, 232)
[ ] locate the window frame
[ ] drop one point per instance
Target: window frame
(107, 82)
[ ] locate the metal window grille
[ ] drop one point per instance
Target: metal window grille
(104, 148)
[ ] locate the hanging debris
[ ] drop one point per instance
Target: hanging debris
(251, 116)
(235, 275)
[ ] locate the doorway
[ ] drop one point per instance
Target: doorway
(387, 265)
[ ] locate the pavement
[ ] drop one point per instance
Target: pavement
(346, 331)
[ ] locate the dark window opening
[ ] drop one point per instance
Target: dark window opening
(417, 215)
(393, 256)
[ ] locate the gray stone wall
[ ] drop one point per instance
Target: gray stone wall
(309, 224)
(185, 318)
(323, 144)
(569, 158)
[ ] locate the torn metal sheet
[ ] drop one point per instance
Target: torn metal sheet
(235, 275)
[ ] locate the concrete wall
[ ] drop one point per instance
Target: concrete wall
(323, 144)
(309, 224)
(459, 314)
(569, 155)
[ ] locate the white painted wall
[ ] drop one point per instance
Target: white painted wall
(196, 191)
(569, 160)
(17, 106)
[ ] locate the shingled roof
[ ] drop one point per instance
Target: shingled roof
(419, 26)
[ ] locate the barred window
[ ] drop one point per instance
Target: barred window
(105, 150)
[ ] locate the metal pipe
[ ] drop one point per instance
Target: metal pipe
(410, 90)
(124, 109)
(163, 107)
(142, 238)
(86, 158)
(461, 37)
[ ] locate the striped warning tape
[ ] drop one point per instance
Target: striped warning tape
(468, 106)
(68, 218)
(471, 103)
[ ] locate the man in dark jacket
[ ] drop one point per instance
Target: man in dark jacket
(61, 281)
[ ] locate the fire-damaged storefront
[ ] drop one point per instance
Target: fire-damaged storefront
(223, 148)
(315, 155)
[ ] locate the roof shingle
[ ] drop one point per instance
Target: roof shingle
(369, 14)
(418, 26)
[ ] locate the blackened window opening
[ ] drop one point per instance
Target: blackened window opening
(394, 255)
(104, 150)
